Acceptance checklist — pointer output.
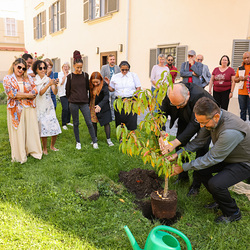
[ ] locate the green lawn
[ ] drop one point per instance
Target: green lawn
(41, 208)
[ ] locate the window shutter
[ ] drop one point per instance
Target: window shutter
(35, 27)
(51, 19)
(112, 6)
(57, 65)
(152, 59)
(181, 56)
(71, 64)
(85, 63)
(43, 22)
(62, 14)
(86, 10)
(239, 48)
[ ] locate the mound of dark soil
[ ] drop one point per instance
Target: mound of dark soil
(140, 182)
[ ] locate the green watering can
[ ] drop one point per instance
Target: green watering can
(159, 240)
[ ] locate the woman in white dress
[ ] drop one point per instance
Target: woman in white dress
(47, 121)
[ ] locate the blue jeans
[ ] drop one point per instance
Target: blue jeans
(244, 102)
(65, 110)
(84, 108)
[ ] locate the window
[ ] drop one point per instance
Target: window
(39, 25)
(57, 16)
(179, 54)
(93, 9)
(239, 48)
(11, 27)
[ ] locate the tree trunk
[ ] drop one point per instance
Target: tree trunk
(165, 192)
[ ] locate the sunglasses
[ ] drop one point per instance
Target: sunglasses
(41, 68)
(20, 67)
(171, 60)
(124, 69)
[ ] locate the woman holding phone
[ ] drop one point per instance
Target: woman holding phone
(52, 75)
(47, 121)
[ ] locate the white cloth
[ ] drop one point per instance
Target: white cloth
(46, 115)
(30, 71)
(61, 87)
(125, 85)
(156, 73)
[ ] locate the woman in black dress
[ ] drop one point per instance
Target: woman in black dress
(99, 104)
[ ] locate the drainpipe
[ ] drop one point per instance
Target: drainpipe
(127, 35)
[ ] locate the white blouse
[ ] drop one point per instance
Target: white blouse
(125, 85)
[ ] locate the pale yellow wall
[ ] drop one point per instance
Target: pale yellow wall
(208, 27)
(7, 57)
(12, 41)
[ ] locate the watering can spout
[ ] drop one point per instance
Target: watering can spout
(132, 239)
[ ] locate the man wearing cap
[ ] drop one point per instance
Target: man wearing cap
(206, 76)
(191, 70)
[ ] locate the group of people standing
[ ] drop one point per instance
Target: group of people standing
(221, 83)
(31, 88)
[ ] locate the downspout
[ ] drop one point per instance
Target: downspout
(127, 35)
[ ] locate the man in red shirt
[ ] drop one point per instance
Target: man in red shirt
(170, 61)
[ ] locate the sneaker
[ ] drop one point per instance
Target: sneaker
(110, 143)
(64, 127)
(95, 145)
(70, 124)
(93, 142)
(78, 145)
(227, 219)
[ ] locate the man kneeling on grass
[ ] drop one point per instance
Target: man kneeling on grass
(229, 157)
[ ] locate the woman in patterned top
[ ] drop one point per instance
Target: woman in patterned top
(21, 113)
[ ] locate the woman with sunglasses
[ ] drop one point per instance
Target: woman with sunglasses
(99, 104)
(77, 89)
(48, 123)
(125, 84)
(21, 113)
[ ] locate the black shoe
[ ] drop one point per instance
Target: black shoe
(227, 219)
(213, 205)
(193, 191)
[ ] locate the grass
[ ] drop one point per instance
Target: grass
(42, 205)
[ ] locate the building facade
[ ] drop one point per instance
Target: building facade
(11, 42)
(137, 31)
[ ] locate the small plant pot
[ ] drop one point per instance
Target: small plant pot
(164, 208)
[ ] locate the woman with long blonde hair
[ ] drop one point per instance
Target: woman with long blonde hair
(21, 113)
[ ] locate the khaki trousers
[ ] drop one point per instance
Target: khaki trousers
(25, 139)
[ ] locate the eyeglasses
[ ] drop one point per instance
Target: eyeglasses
(20, 67)
(199, 60)
(171, 60)
(179, 105)
(41, 68)
(124, 70)
(202, 123)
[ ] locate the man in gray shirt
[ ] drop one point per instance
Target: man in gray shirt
(107, 71)
(229, 157)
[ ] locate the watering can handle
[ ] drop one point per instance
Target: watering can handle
(173, 230)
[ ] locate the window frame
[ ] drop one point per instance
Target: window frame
(105, 9)
(10, 24)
